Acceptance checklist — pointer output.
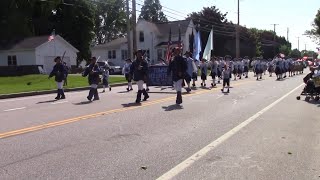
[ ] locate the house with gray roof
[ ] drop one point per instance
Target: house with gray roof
(35, 54)
(151, 37)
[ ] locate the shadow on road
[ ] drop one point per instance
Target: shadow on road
(50, 101)
(131, 104)
(122, 92)
(172, 107)
(83, 103)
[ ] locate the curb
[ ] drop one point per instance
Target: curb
(35, 93)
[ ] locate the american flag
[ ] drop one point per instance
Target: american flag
(51, 37)
(168, 55)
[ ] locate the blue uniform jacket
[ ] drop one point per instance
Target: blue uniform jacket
(139, 70)
(59, 72)
(92, 71)
(178, 68)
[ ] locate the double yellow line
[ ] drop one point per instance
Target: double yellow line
(90, 116)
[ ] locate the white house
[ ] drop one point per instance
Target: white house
(38, 51)
(151, 37)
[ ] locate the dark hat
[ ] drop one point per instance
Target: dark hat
(128, 60)
(139, 51)
(57, 58)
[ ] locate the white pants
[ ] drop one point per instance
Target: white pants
(140, 85)
(60, 85)
(94, 86)
(178, 85)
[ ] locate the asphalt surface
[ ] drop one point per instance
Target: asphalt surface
(259, 131)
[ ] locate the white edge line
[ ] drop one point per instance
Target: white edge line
(195, 157)
(60, 102)
(7, 110)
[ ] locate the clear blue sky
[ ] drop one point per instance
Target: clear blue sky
(297, 15)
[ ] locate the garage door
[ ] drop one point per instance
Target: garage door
(49, 63)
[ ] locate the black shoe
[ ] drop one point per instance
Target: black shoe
(205, 85)
(221, 90)
(62, 94)
(260, 77)
(110, 88)
(96, 95)
(188, 90)
(218, 82)
(58, 95)
(145, 94)
(138, 100)
(228, 91)
(91, 93)
(246, 76)
(179, 98)
(131, 89)
(193, 85)
(201, 84)
(147, 89)
(128, 89)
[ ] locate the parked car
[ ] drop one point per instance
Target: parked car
(113, 69)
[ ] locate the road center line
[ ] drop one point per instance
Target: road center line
(14, 109)
(95, 115)
(198, 155)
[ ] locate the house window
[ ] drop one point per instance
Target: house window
(114, 54)
(160, 55)
(109, 54)
(141, 36)
(12, 60)
(124, 54)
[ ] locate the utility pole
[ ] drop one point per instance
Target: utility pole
(134, 25)
(274, 38)
(288, 34)
(237, 33)
(298, 43)
(130, 53)
(305, 47)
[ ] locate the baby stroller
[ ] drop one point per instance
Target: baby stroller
(311, 90)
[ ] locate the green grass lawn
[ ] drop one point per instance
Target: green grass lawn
(38, 82)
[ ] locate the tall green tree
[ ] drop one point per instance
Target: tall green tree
(315, 32)
(152, 11)
(295, 53)
(285, 49)
(74, 21)
(212, 17)
(110, 20)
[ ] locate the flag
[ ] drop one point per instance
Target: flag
(209, 47)
(168, 55)
(51, 37)
(191, 42)
(197, 46)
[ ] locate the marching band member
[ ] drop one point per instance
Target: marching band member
(204, 72)
(138, 70)
(191, 69)
(270, 67)
(246, 63)
(178, 68)
(258, 68)
(59, 72)
(214, 71)
(221, 64)
(105, 78)
(234, 66)
(126, 72)
(240, 68)
(93, 71)
(226, 75)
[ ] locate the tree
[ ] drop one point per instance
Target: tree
(315, 32)
(212, 17)
(285, 49)
(74, 21)
(110, 21)
(295, 53)
(152, 11)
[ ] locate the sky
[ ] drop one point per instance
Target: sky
(297, 15)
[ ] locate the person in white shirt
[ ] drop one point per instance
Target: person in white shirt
(246, 62)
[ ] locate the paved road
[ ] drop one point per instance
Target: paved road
(258, 131)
